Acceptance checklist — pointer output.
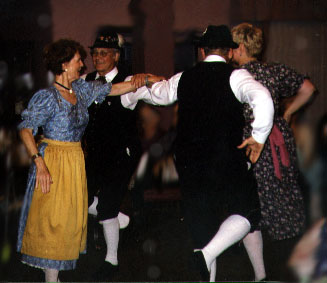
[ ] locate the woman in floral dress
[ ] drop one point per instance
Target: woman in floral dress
(276, 171)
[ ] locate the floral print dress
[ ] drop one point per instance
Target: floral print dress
(282, 207)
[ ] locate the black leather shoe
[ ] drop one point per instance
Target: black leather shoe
(105, 272)
(266, 279)
(201, 266)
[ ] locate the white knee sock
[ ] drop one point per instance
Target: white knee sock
(93, 207)
(254, 247)
(123, 220)
(213, 269)
(233, 229)
(111, 235)
(51, 275)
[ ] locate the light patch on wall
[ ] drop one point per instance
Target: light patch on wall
(301, 43)
(44, 20)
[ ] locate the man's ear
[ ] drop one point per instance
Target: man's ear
(117, 56)
(202, 53)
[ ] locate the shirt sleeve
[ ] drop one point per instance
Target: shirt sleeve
(93, 90)
(248, 90)
(39, 111)
(161, 93)
(130, 99)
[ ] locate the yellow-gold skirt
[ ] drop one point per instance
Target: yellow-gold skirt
(56, 225)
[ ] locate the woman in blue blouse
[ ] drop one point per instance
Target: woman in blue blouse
(53, 223)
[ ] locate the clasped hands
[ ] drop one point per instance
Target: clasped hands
(148, 80)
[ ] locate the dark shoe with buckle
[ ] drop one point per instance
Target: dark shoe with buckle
(105, 272)
(201, 266)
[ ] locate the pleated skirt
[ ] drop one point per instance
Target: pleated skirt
(56, 225)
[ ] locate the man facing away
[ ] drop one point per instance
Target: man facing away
(219, 193)
(113, 150)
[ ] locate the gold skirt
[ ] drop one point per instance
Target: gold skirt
(57, 221)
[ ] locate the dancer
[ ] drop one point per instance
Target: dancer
(276, 172)
(53, 222)
(219, 192)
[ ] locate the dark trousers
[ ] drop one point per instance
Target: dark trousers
(209, 198)
(108, 178)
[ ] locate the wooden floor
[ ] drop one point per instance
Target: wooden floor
(157, 251)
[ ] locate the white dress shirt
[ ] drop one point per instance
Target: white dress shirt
(245, 88)
(109, 76)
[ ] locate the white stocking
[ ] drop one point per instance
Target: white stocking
(254, 247)
(51, 275)
(111, 235)
(213, 269)
(93, 207)
(123, 220)
(233, 229)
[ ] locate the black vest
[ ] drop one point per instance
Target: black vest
(111, 127)
(210, 123)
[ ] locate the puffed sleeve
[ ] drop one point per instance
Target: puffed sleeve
(40, 109)
(289, 81)
(92, 91)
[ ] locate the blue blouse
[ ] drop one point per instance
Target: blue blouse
(59, 119)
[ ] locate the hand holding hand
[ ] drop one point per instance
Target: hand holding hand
(43, 177)
(154, 79)
(138, 80)
(253, 148)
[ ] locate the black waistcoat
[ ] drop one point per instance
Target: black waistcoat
(111, 127)
(210, 123)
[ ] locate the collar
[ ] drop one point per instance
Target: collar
(214, 58)
(109, 76)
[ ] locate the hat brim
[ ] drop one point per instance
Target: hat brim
(105, 45)
(230, 44)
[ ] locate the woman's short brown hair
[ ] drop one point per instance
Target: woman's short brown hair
(61, 51)
(250, 36)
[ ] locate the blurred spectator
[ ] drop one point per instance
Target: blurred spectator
(156, 168)
(312, 154)
(309, 257)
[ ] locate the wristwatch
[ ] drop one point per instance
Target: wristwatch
(36, 155)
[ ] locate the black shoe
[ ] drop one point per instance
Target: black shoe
(105, 272)
(263, 280)
(201, 266)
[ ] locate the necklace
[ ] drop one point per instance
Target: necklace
(69, 89)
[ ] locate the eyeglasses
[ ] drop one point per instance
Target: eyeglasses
(99, 53)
